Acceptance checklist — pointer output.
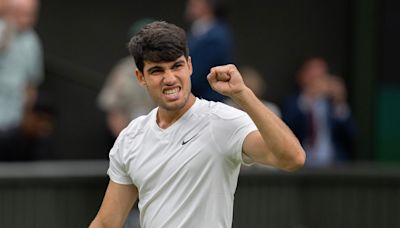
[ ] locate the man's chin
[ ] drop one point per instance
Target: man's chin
(173, 106)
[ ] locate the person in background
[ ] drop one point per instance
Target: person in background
(319, 114)
(121, 97)
(210, 43)
(21, 64)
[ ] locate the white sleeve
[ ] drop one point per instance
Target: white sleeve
(117, 170)
(231, 128)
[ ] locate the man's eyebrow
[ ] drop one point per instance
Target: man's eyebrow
(178, 62)
(154, 68)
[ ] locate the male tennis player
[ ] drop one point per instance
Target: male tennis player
(182, 160)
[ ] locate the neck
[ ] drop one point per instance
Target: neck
(166, 118)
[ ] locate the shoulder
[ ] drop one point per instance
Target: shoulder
(29, 41)
(141, 122)
(128, 135)
(219, 110)
(137, 126)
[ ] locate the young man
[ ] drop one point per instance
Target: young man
(182, 160)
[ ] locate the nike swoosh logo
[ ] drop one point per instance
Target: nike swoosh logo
(184, 142)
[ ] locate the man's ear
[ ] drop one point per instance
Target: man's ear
(189, 60)
(140, 77)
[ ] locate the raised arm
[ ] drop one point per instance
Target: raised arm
(117, 203)
(274, 143)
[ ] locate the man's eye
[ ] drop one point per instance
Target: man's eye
(177, 66)
(155, 71)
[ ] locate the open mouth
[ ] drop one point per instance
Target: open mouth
(172, 93)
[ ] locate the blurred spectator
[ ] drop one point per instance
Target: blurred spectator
(253, 79)
(210, 44)
(21, 71)
(21, 63)
(121, 97)
(319, 114)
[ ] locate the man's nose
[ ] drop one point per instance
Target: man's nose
(169, 77)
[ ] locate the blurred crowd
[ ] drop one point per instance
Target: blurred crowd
(26, 114)
(317, 112)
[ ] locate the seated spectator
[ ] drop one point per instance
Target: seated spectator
(319, 115)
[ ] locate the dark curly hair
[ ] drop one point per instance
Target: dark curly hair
(158, 41)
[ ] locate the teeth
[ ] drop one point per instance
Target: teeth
(171, 91)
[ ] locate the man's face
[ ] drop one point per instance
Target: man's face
(168, 83)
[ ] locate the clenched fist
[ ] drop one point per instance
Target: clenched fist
(226, 80)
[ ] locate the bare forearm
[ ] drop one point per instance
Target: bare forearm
(96, 223)
(274, 143)
(104, 221)
(278, 138)
(116, 205)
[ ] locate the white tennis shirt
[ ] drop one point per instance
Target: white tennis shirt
(186, 174)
